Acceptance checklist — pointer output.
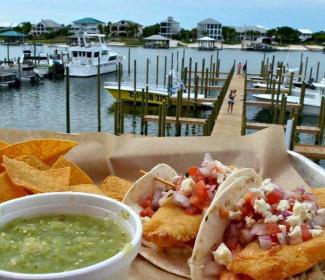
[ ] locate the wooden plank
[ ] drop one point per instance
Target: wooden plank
(170, 119)
(263, 90)
(311, 151)
(267, 104)
(302, 129)
(209, 87)
(226, 123)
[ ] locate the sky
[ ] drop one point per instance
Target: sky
(269, 13)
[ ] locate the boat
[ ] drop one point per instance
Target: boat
(157, 94)
(25, 73)
(85, 56)
(8, 80)
(263, 44)
(312, 103)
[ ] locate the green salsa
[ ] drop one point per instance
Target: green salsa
(58, 243)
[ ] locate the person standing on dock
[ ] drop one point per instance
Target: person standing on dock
(231, 100)
(239, 68)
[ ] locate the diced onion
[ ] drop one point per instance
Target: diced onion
(319, 220)
(205, 171)
(259, 229)
(286, 214)
(156, 197)
(181, 199)
(207, 157)
(282, 238)
(245, 236)
(265, 242)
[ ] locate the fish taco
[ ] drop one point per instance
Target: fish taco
(172, 213)
(261, 231)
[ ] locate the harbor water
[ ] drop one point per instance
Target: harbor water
(42, 106)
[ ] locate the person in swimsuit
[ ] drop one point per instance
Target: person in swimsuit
(231, 100)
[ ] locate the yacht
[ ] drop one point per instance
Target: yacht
(312, 103)
(85, 56)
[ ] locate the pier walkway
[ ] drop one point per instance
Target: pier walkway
(226, 123)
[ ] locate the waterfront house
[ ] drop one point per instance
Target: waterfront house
(207, 44)
(156, 42)
(126, 28)
(211, 28)
(45, 26)
(169, 27)
(250, 32)
(7, 25)
(305, 34)
(89, 25)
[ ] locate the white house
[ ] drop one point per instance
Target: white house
(211, 28)
(250, 32)
(169, 27)
(7, 25)
(89, 25)
(126, 28)
(305, 34)
(45, 26)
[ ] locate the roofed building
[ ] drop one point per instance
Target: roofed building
(126, 28)
(305, 34)
(210, 28)
(156, 42)
(250, 32)
(169, 27)
(45, 26)
(89, 25)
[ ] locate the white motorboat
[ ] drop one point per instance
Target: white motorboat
(311, 104)
(85, 56)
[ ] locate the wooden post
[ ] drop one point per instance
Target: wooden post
(202, 75)
(196, 87)
(19, 70)
(119, 80)
(172, 62)
(122, 117)
(99, 122)
(306, 65)
(165, 71)
(159, 119)
(272, 110)
(317, 71)
(211, 65)
(115, 117)
(283, 109)
(177, 60)
(146, 111)
(218, 69)
(163, 122)
(157, 70)
(206, 83)
(293, 132)
(291, 82)
(178, 113)
(182, 66)
(147, 72)
(321, 123)
(310, 73)
(67, 91)
(135, 82)
(142, 112)
(301, 102)
(189, 88)
(301, 66)
(129, 61)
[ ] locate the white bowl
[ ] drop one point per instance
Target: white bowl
(114, 268)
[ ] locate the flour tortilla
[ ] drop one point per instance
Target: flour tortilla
(174, 263)
(213, 226)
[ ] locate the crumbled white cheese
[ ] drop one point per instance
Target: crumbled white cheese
(187, 186)
(268, 186)
(283, 205)
(283, 228)
(258, 191)
(271, 219)
(222, 255)
(234, 215)
(301, 210)
(317, 227)
(295, 233)
(249, 221)
(260, 206)
(315, 232)
(294, 221)
(280, 217)
(145, 219)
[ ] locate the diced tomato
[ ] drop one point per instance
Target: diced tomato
(247, 210)
(274, 197)
(193, 171)
(285, 224)
(250, 198)
(192, 210)
(146, 202)
(200, 198)
(224, 213)
(272, 228)
(211, 181)
(274, 238)
(308, 196)
(305, 234)
(147, 212)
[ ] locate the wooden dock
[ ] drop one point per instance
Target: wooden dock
(264, 90)
(268, 104)
(302, 129)
(311, 151)
(226, 123)
(172, 120)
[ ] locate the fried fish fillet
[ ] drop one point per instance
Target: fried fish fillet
(171, 227)
(280, 262)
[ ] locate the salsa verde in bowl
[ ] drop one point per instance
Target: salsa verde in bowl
(67, 236)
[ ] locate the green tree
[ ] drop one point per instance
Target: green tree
(229, 34)
(100, 28)
(284, 35)
(132, 30)
(151, 30)
(319, 37)
(24, 27)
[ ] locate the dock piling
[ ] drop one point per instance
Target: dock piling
(99, 121)
(67, 87)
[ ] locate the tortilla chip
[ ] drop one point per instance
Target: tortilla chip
(115, 187)
(34, 162)
(47, 150)
(8, 190)
(21, 174)
(3, 144)
(86, 188)
(77, 176)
